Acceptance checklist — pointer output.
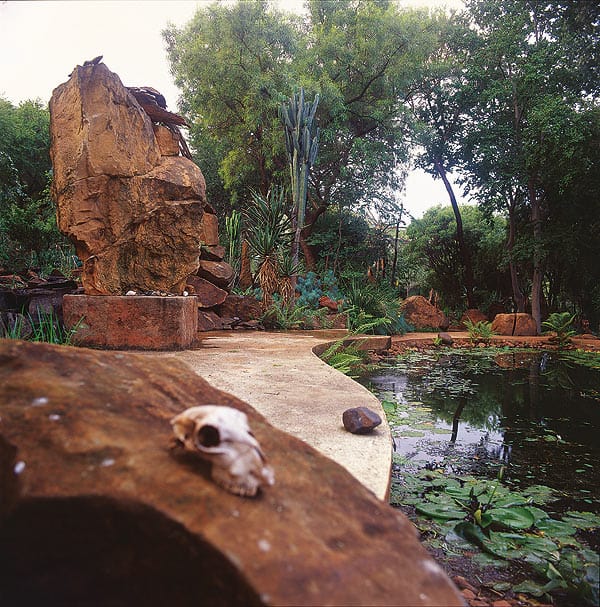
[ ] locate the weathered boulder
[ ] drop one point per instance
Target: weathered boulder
(474, 316)
(423, 315)
(133, 213)
(244, 307)
(445, 338)
(210, 321)
(360, 420)
(96, 501)
(212, 253)
(207, 293)
(217, 272)
(514, 324)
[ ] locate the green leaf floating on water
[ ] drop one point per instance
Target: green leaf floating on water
(389, 406)
(513, 518)
(445, 512)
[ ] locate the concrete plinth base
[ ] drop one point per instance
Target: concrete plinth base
(132, 322)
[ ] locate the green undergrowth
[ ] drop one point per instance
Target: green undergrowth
(498, 526)
(44, 326)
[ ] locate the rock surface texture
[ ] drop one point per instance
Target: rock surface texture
(514, 324)
(423, 315)
(360, 420)
(133, 214)
(134, 208)
(98, 507)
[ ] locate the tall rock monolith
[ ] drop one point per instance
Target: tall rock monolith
(133, 210)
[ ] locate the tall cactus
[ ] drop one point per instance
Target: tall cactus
(302, 143)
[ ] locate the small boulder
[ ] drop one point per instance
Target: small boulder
(474, 316)
(327, 302)
(360, 420)
(244, 307)
(445, 338)
(219, 273)
(208, 294)
(423, 315)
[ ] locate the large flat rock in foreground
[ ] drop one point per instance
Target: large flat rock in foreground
(97, 508)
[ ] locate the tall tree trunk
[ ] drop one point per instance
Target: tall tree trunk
(518, 295)
(460, 237)
(395, 261)
(536, 280)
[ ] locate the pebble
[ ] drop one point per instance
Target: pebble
(360, 420)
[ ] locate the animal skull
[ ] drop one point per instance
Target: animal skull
(222, 436)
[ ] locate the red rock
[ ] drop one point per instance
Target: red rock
(446, 338)
(168, 141)
(209, 321)
(244, 307)
(133, 214)
(327, 302)
(360, 420)
(514, 324)
(501, 603)
(474, 316)
(422, 315)
(219, 273)
(137, 322)
(209, 230)
(207, 294)
(212, 253)
(468, 594)
(96, 499)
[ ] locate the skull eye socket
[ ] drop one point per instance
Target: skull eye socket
(208, 436)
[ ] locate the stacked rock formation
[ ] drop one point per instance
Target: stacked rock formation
(135, 209)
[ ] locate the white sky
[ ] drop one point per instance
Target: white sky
(41, 42)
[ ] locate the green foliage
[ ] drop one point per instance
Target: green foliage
(508, 525)
(480, 331)
(365, 300)
(233, 233)
(561, 323)
(312, 287)
(347, 356)
(27, 214)
(44, 326)
(432, 245)
(301, 143)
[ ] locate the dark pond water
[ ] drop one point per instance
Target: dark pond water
(527, 417)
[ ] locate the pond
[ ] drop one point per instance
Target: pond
(529, 417)
(498, 449)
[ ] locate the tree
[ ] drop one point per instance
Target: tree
(523, 70)
(237, 62)
(232, 63)
(440, 101)
(432, 242)
(27, 213)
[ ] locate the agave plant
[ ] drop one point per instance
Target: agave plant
(267, 231)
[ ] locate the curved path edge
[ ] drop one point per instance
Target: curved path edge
(280, 375)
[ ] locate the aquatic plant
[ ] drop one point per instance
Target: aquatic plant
(508, 525)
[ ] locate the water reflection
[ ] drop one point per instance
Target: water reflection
(531, 414)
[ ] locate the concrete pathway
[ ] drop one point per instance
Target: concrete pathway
(280, 376)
